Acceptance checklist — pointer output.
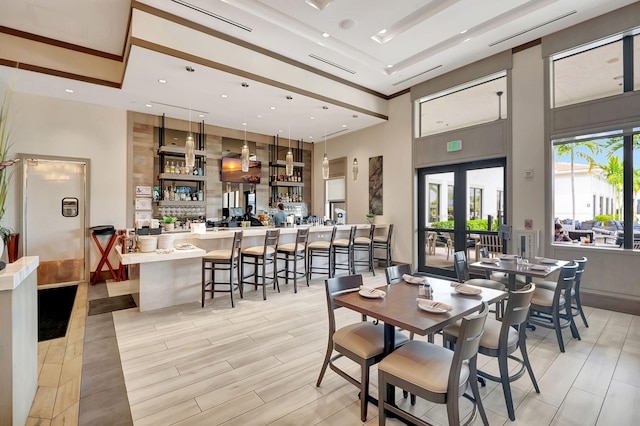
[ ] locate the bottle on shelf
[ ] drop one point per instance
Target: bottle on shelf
(167, 167)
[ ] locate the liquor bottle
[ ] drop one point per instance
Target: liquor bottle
(172, 167)
(167, 167)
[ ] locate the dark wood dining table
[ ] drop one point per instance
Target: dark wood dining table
(399, 308)
(513, 268)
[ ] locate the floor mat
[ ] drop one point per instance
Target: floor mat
(54, 311)
(110, 304)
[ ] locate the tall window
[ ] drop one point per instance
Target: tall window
(434, 202)
(500, 202)
(450, 202)
(475, 203)
(441, 112)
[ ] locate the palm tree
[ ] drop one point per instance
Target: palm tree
(614, 171)
(573, 151)
(613, 145)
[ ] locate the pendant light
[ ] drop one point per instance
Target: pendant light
(289, 157)
(355, 169)
(245, 150)
(190, 145)
(325, 160)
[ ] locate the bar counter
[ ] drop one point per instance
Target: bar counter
(164, 280)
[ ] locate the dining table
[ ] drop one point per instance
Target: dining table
(399, 308)
(539, 267)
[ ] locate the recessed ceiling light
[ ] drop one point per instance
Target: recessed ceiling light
(344, 125)
(389, 65)
(382, 31)
(162, 80)
(272, 107)
(148, 105)
(68, 90)
(320, 43)
(325, 35)
(312, 118)
(200, 115)
(310, 137)
(244, 124)
(258, 116)
(466, 40)
(463, 31)
(224, 96)
(280, 131)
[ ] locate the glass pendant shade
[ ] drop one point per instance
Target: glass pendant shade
(355, 169)
(245, 157)
(189, 153)
(325, 167)
(289, 163)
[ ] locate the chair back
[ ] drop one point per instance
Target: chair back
(484, 252)
(394, 273)
(460, 266)
(302, 237)
(236, 245)
(271, 240)
(467, 343)
(517, 309)
(582, 263)
(334, 231)
(566, 279)
(389, 234)
(335, 287)
(492, 242)
(371, 232)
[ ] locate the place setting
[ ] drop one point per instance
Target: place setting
(432, 306)
(466, 289)
(371, 293)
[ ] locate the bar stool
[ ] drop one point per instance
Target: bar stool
(294, 252)
(345, 247)
(260, 257)
(222, 260)
(364, 245)
(321, 249)
(384, 243)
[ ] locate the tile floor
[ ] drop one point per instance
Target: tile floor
(257, 364)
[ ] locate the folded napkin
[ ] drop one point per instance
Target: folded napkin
(508, 257)
(490, 260)
(545, 260)
(432, 304)
(373, 292)
(414, 280)
(539, 268)
(467, 289)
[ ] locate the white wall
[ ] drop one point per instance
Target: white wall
(54, 127)
(392, 140)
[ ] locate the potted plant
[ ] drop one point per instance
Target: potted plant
(5, 162)
(168, 223)
(370, 217)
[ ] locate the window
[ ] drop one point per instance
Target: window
(450, 202)
(434, 202)
(466, 105)
(500, 202)
(475, 203)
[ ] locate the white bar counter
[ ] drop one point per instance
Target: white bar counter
(18, 339)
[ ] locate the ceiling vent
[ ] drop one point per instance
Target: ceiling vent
(533, 28)
(335, 133)
(179, 107)
(414, 76)
(333, 64)
(213, 15)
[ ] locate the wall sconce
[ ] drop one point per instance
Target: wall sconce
(355, 169)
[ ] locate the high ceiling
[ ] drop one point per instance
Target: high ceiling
(377, 48)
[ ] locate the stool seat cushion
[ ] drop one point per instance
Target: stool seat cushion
(220, 254)
(542, 297)
(364, 339)
(362, 240)
(490, 337)
(380, 240)
(342, 242)
(290, 247)
(424, 364)
(258, 251)
(317, 245)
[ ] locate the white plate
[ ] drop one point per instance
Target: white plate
(467, 289)
(185, 246)
(376, 294)
(489, 260)
(548, 261)
(508, 257)
(431, 309)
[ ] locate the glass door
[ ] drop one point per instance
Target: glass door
(457, 205)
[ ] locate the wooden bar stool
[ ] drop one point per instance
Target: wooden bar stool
(384, 243)
(260, 257)
(345, 247)
(320, 249)
(222, 260)
(364, 245)
(294, 252)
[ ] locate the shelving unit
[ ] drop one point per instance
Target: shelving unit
(285, 189)
(181, 194)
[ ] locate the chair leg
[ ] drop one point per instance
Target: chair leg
(204, 282)
(473, 379)
(295, 272)
(453, 406)
(264, 279)
(506, 387)
(556, 326)
(240, 285)
(579, 307)
(325, 363)
(382, 399)
(525, 359)
(364, 392)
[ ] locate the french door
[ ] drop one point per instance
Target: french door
(456, 204)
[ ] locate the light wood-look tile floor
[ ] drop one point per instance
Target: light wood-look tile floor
(257, 364)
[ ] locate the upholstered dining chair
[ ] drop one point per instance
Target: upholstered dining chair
(364, 245)
(321, 249)
(552, 308)
(501, 339)
(362, 342)
(384, 243)
(222, 260)
(293, 253)
(435, 373)
(344, 247)
(394, 273)
(260, 257)
(576, 303)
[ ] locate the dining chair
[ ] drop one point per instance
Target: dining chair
(576, 303)
(394, 273)
(462, 273)
(501, 339)
(552, 308)
(362, 342)
(222, 260)
(364, 245)
(492, 242)
(384, 243)
(321, 249)
(435, 373)
(344, 246)
(294, 253)
(260, 257)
